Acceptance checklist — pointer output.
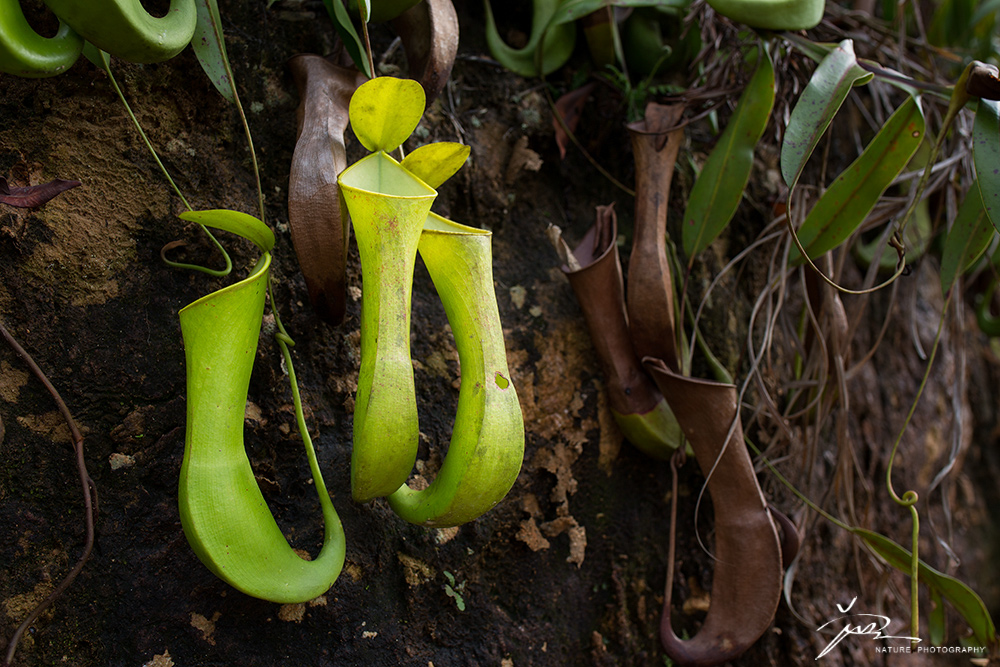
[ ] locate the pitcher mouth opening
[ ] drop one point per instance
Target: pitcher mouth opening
(380, 174)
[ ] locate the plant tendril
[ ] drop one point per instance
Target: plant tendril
(218, 273)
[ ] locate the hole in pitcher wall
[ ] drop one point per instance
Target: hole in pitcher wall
(502, 382)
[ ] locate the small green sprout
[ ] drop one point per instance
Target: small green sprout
(453, 591)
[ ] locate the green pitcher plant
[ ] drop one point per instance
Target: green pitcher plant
(125, 29)
(23, 52)
(223, 513)
(487, 442)
(388, 206)
(389, 203)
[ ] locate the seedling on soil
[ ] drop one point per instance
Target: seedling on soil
(454, 591)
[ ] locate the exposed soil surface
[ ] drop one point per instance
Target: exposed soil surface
(570, 568)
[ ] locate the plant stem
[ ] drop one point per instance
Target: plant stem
(218, 273)
(89, 498)
(910, 498)
(368, 43)
(145, 139)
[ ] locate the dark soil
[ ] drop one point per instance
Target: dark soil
(568, 570)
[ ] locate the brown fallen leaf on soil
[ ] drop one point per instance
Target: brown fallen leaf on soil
(522, 158)
(33, 196)
(569, 107)
(317, 221)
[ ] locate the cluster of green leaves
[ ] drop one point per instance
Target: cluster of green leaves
(840, 212)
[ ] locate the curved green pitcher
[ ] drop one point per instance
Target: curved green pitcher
(388, 207)
(125, 29)
(223, 513)
(487, 442)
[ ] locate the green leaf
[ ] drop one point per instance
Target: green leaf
(846, 204)
(986, 154)
(936, 619)
(238, 223)
(209, 46)
(349, 35)
(967, 239)
(963, 599)
(365, 7)
(436, 163)
(816, 107)
(385, 111)
(717, 193)
(98, 58)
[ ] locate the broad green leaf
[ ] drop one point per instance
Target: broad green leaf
(963, 599)
(717, 193)
(967, 239)
(238, 223)
(436, 163)
(851, 197)
(936, 619)
(816, 107)
(348, 35)
(209, 45)
(546, 51)
(986, 153)
(385, 111)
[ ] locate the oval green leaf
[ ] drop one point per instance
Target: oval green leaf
(238, 223)
(816, 107)
(385, 111)
(967, 239)
(986, 153)
(851, 197)
(348, 35)
(717, 193)
(436, 163)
